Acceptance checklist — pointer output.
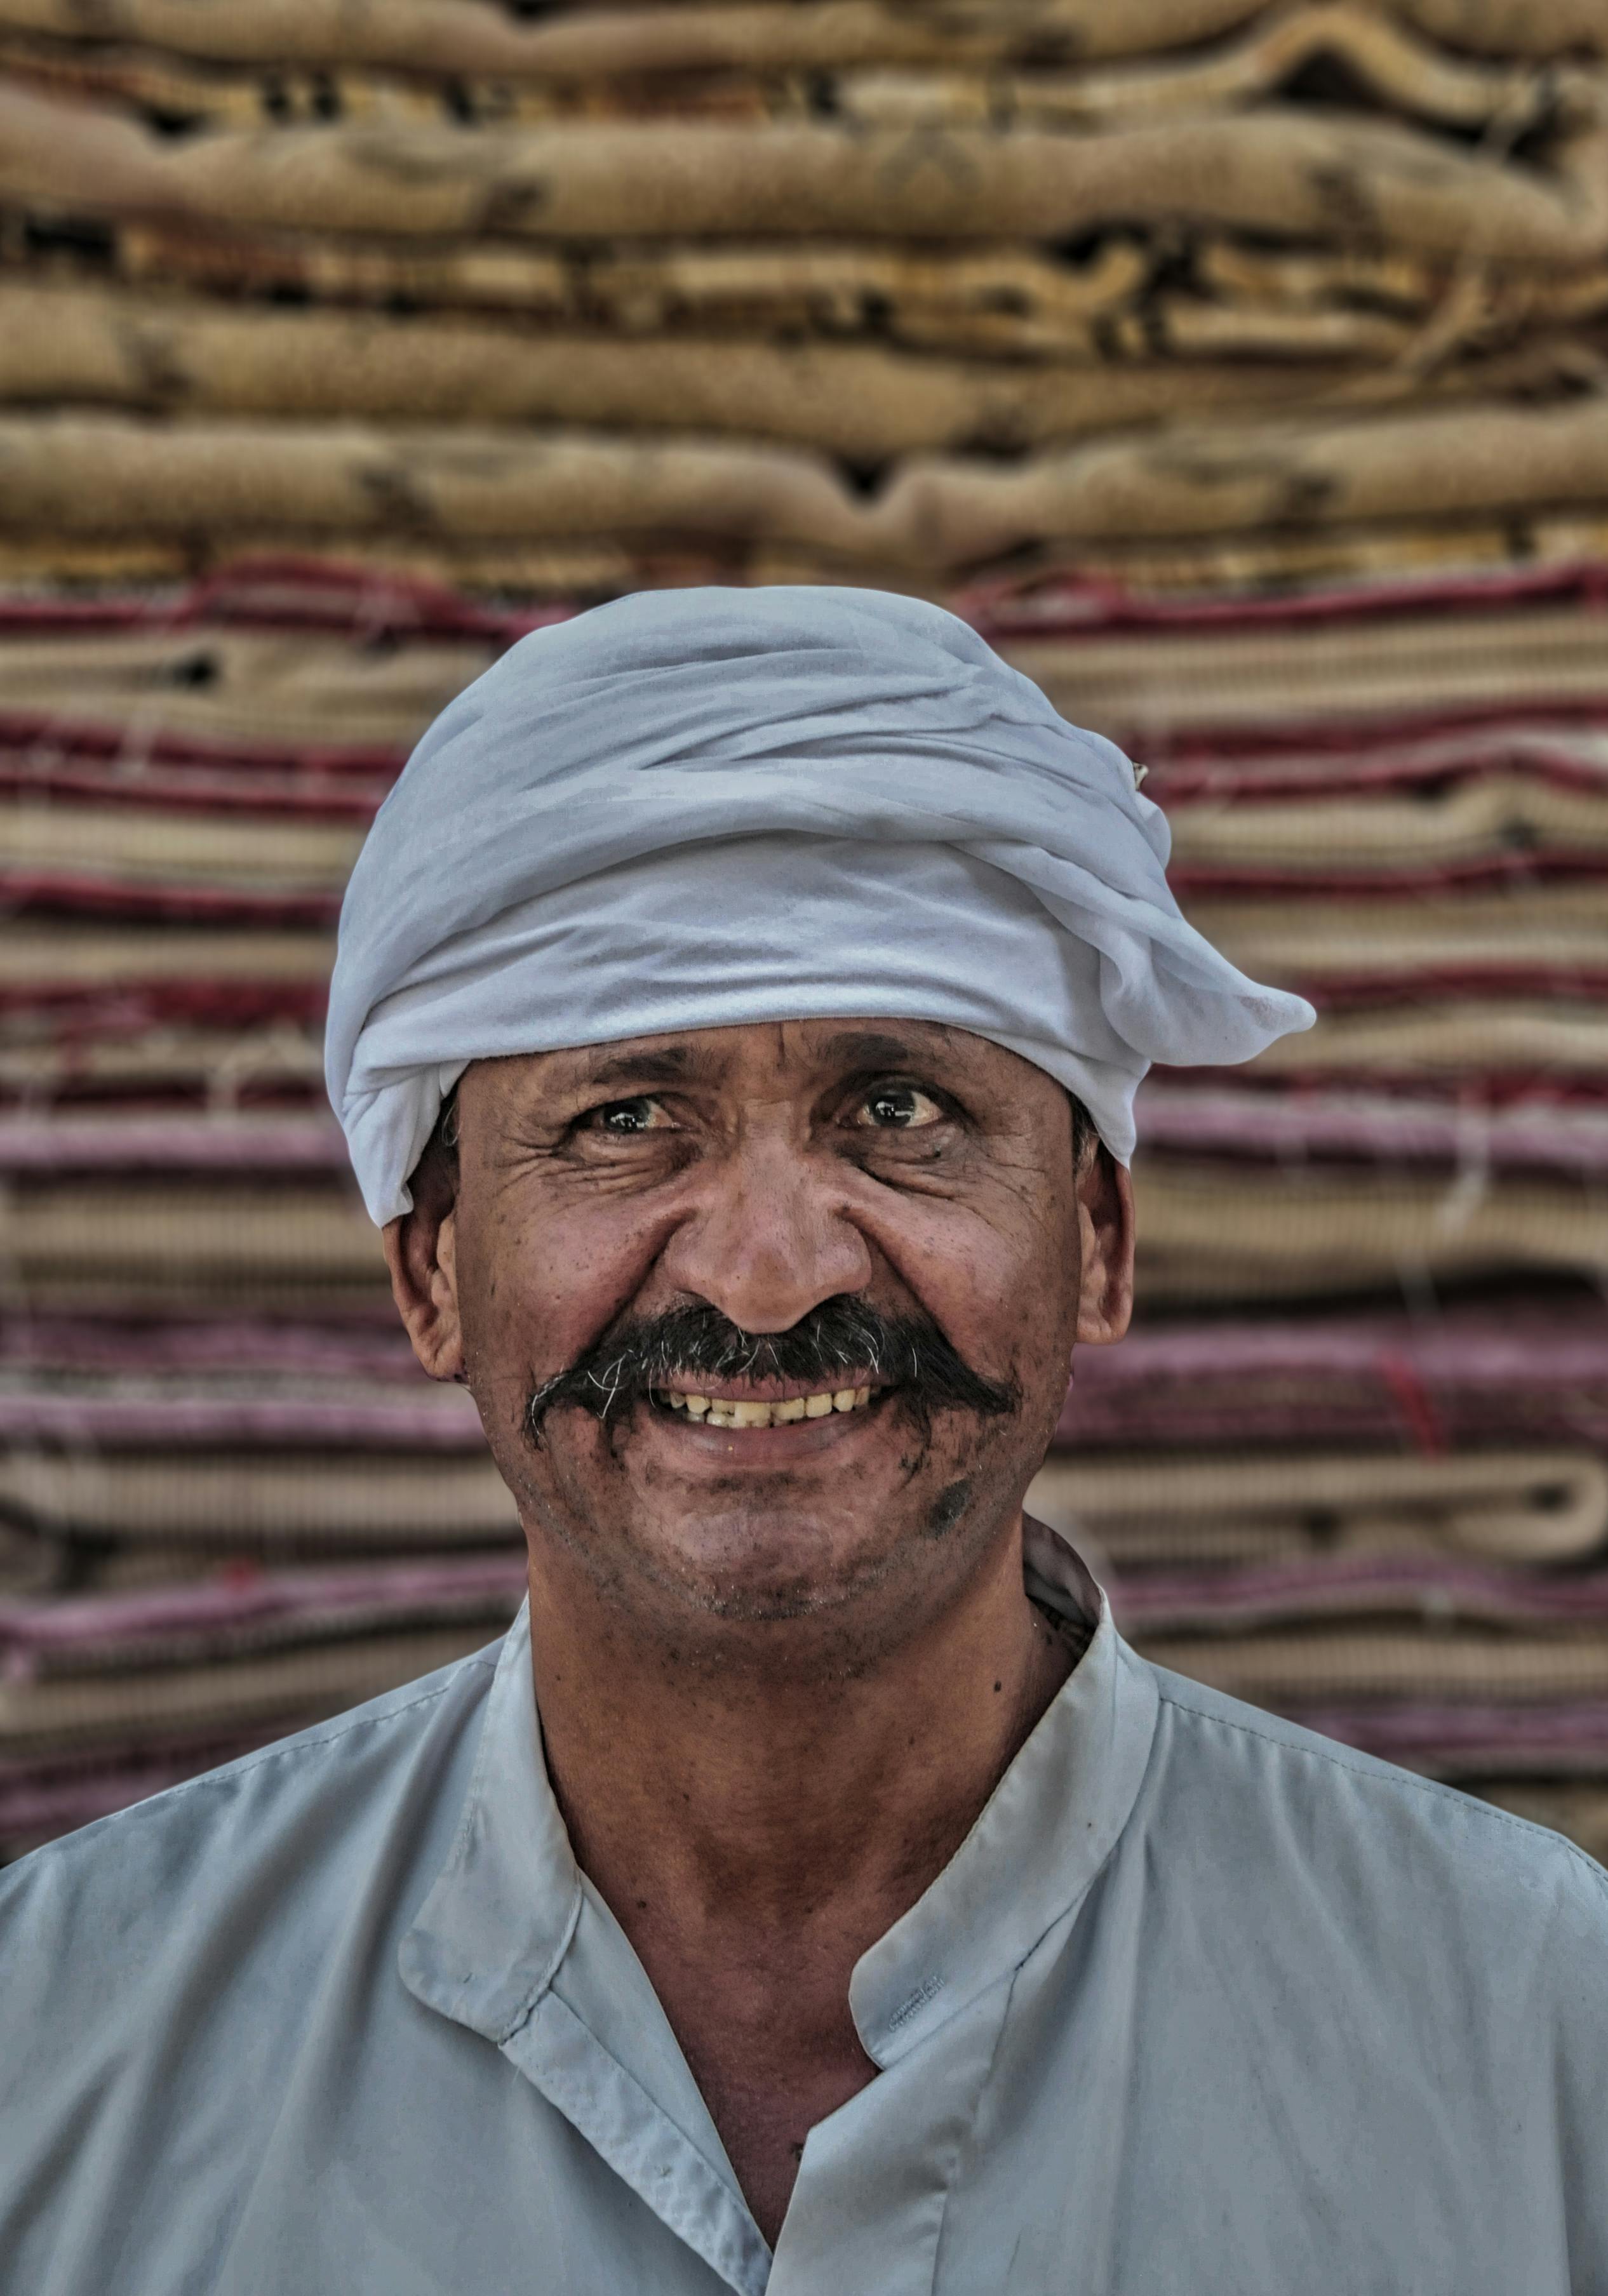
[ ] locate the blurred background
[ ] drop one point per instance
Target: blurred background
(1239, 370)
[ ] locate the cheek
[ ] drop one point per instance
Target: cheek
(538, 1282)
(1000, 1277)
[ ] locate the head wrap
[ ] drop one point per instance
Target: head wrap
(691, 808)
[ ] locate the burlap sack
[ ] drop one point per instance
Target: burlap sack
(1452, 462)
(214, 1065)
(460, 38)
(1481, 820)
(455, 36)
(1516, 1505)
(1286, 171)
(282, 688)
(103, 477)
(312, 1231)
(1234, 1232)
(348, 1503)
(84, 347)
(1300, 944)
(1285, 1670)
(1384, 60)
(1321, 674)
(130, 1710)
(1428, 1035)
(56, 956)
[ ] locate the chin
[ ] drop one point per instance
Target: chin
(778, 1567)
(833, 1595)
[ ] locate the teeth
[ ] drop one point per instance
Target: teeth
(722, 1411)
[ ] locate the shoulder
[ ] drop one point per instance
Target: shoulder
(183, 1965)
(273, 1840)
(1404, 1857)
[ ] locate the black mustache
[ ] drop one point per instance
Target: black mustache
(643, 1356)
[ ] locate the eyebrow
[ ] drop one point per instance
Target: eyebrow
(870, 1048)
(667, 1064)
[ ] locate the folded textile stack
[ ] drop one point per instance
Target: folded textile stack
(1352, 1465)
(890, 289)
(1236, 368)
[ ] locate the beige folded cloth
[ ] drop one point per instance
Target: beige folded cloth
(1294, 1669)
(1481, 1035)
(44, 953)
(1400, 71)
(103, 476)
(967, 299)
(294, 1687)
(80, 345)
(1517, 28)
(1241, 1231)
(1292, 942)
(1510, 1506)
(1480, 820)
(187, 1231)
(220, 1065)
(458, 37)
(599, 566)
(1537, 533)
(151, 845)
(1321, 672)
(1273, 171)
(1278, 279)
(315, 688)
(1293, 472)
(338, 1501)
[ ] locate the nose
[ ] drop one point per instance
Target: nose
(769, 1238)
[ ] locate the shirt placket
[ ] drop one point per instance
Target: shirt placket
(877, 2176)
(560, 2055)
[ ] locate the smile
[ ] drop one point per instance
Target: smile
(726, 1411)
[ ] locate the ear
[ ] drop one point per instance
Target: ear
(1106, 1230)
(420, 1253)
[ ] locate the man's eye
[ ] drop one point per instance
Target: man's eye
(623, 1117)
(898, 1108)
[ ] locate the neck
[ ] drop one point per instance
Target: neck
(756, 1824)
(768, 1792)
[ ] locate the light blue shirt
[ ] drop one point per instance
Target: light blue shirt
(1205, 2006)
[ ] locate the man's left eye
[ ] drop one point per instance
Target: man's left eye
(898, 1108)
(625, 1117)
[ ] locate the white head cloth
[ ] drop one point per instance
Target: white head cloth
(696, 807)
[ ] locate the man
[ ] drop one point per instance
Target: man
(739, 1007)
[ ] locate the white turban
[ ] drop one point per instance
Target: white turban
(692, 808)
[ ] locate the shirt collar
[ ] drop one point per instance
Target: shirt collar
(496, 1926)
(1043, 1836)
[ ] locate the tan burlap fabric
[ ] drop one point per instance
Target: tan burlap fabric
(1515, 1506)
(1289, 171)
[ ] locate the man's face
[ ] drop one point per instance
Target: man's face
(770, 1323)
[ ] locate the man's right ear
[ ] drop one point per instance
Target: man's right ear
(420, 1253)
